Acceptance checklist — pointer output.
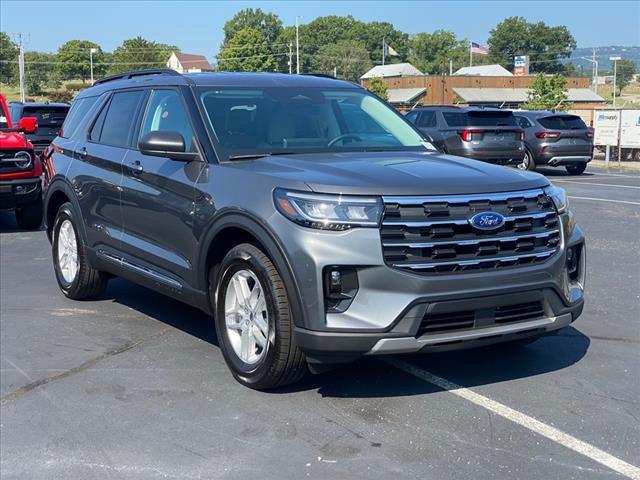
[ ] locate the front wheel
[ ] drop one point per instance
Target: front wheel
(253, 321)
(576, 169)
(29, 217)
(76, 277)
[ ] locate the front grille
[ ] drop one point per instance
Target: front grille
(468, 319)
(10, 164)
(433, 235)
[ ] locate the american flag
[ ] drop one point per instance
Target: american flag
(481, 49)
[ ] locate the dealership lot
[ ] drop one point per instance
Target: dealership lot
(133, 385)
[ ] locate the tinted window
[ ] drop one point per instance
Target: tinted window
(480, 118)
(119, 119)
(47, 116)
(96, 130)
(411, 116)
(166, 113)
(523, 122)
(562, 122)
(77, 113)
(427, 119)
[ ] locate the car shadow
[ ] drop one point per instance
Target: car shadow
(374, 377)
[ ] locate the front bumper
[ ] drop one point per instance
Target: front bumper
(19, 192)
(390, 305)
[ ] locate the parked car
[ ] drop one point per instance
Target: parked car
(20, 170)
(486, 134)
(50, 117)
(555, 139)
(312, 240)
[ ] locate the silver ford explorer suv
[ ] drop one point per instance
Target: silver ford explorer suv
(310, 219)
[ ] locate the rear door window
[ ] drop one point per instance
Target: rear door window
(119, 118)
(562, 122)
(455, 119)
(427, 119)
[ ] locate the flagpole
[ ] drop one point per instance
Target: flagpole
(470, 54)
(383, 55)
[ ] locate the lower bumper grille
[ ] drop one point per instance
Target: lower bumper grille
(452, 321)
(432, 235)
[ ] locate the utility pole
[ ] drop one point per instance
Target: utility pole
(91, 52)
(595, 71)
(19, 39)
(450, 67)
(470, 55)
(290, 58)
(383, 50)
(615, 71)
(335, 72)
(298, 45)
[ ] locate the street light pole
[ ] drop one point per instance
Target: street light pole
(290, 58)
(91, 52)
(298, 45)
(615, 68)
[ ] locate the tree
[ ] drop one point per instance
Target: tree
(8, 59)
(378, 87)
(545, 45)
(431, 53)
(266, 23)
(625, 70)
(39, 72)
(547, 93)
(348, 57)
(247, 51)
(73, 60)
(139, 54)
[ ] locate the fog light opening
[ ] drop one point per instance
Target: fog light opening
(340, 287)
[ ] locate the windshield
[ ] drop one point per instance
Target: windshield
(277, 120)
(47, 116)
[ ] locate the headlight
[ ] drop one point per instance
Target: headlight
(329, 212)
(559, 197)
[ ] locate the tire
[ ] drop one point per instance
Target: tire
(280, 362)
(29, 217)
(576, 169)
(528, 163)
(87, 282)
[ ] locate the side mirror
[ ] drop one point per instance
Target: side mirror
(28, 124)
(165, 144)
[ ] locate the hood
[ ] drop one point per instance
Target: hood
(13, 141)
(392, 173)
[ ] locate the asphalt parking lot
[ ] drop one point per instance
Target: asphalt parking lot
(133, 386)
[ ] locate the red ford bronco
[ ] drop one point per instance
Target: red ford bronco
(20, 170)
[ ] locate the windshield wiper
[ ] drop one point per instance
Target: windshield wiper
(249, 156)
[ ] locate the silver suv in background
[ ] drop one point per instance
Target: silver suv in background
(555, 139)
(487, 134)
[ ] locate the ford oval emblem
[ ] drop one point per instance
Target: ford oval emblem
(487, 221)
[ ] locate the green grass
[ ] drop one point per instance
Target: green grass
(12, 94)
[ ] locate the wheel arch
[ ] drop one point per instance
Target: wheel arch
(233, 227)
(58, 193)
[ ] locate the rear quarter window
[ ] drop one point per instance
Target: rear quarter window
(79, 110)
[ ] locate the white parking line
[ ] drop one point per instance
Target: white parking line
(598, 184)
(605, 200)
(523, 420)
(598, 174)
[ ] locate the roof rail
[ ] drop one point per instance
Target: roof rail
(137, 73)
(321, 75)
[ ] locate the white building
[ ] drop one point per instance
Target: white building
(485, 71)
(392, 70)
(188, 63)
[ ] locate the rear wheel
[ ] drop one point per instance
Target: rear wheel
(76, 277)
(576, 169)
(253, 321)
(527, 162)
(29, 217)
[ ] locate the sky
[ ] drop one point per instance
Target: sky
(196, 26)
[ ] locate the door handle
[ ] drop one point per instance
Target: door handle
(136, 167)
(82, 152)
